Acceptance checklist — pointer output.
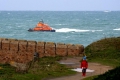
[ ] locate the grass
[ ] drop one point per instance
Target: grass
(109, 62)
(107, 52)
(110, 75)
(47, 67)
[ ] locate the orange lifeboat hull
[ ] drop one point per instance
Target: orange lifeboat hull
(42, 27)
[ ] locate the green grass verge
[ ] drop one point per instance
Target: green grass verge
(107, 52)
(47, 67)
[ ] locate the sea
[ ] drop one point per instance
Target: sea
(72, 27)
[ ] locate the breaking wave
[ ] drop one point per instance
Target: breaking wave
(74, 30)
(117, 29)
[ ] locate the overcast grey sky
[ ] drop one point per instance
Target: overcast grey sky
(60, 5)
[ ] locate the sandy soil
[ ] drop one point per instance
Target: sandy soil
(74, 63)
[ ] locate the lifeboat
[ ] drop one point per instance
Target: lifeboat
(42, 27)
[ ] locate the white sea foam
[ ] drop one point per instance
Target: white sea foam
(117, 29)
(74, 30)
(8, 13)
(96, 30)
(70, 30)
(60, 24)
(107, 11)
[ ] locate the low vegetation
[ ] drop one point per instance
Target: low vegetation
(46, 67)
(105, 51)
(110, 75)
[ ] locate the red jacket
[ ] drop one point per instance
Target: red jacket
(84, 64)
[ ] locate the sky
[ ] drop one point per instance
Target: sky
(59, 5)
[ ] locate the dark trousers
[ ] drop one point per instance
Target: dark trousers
(84, 72)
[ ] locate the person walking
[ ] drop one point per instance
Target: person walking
(84, 66)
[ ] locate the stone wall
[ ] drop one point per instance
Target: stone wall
(23, 50)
